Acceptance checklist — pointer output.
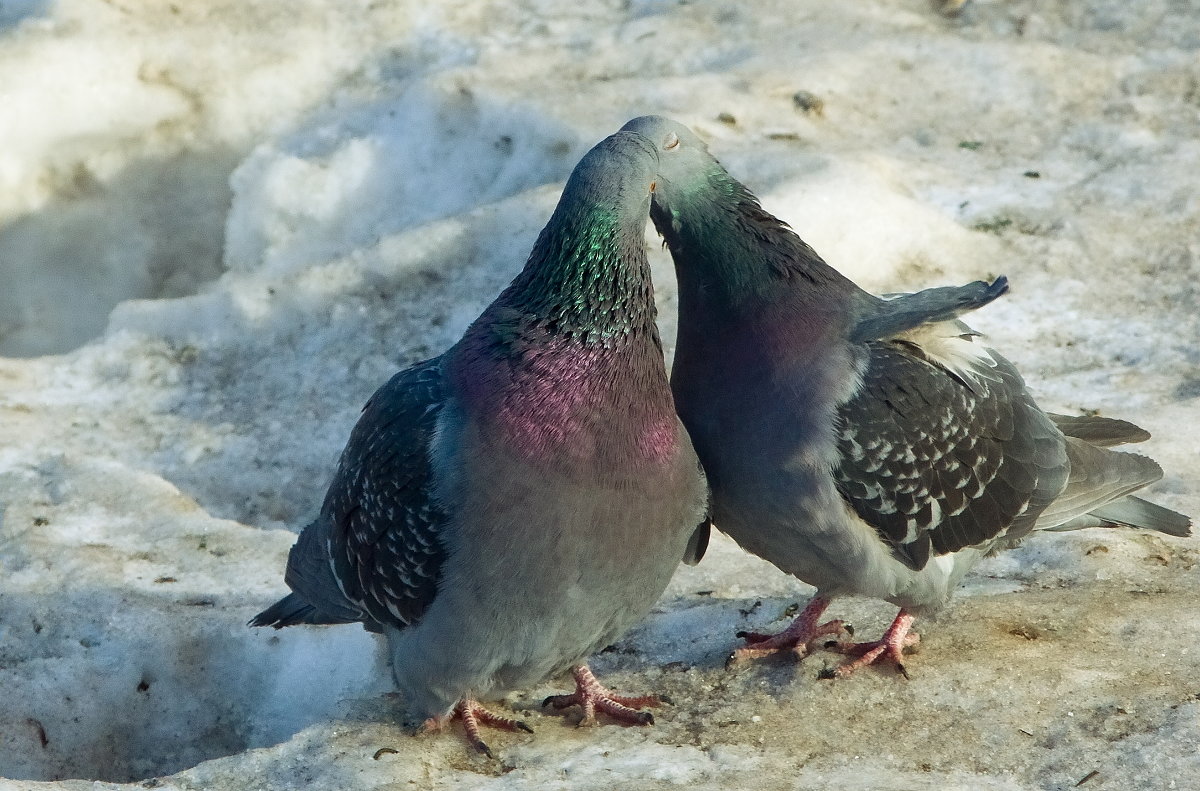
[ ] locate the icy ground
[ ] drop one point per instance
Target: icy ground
(223, 224)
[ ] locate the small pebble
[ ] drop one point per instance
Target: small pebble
(808, 102)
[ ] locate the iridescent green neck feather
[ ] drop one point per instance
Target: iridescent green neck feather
(587, 277)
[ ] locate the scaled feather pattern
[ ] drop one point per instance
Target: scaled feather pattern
(869, 446)
(504, 510)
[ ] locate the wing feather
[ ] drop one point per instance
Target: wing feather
(941, 451)
(384, 525)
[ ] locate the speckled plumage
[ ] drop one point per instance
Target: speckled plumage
(868, 446)
(512, 506)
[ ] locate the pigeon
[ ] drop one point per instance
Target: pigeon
(505, 510)
(869, 446)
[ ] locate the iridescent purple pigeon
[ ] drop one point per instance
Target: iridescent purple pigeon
(871, 447)
(508, 508)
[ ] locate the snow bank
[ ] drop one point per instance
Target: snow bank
(233, 222)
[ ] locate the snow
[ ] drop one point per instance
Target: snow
(222, 225)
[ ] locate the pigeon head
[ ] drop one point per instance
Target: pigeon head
(727, 250)
(608, 193)
(587, 276)
(687, 174)
(617, 175)
(729, 253)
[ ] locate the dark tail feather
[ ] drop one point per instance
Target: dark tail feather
(698, 543)
(1136, 512)
(1103, 432)
(292, 610)
(1133, 512)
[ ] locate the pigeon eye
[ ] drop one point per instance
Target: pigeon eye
(671, 141)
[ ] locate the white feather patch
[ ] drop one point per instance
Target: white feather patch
(952, 344)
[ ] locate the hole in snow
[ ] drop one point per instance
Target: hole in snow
(153, 230)
(344, 179)
(118, 687)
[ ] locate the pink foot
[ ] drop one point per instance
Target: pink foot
(593, 696)
(888, 648)
(797, 638)
(473, 715)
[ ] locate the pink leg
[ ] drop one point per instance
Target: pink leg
(796, 638)
(473, 715)
(592, 696)
(890, 647)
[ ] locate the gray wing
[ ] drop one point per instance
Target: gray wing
(940, 454)
(374, 553)
(387, 554)
(883, 318)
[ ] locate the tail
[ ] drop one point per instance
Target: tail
(1134, 512)
(292, 610)
(1099, 490)
(318, 599)
(1103, 432)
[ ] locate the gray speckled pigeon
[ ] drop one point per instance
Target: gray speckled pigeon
(870, 447)
(512, 506)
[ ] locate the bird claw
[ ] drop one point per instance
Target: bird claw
(473, 716)
(875, 652)
(592, 696)
(797, 638)
(889, 648)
